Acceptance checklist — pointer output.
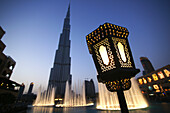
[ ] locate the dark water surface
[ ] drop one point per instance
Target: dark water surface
(153, 108)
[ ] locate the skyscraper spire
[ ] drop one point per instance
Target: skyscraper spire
(68, 11)
(60, 72)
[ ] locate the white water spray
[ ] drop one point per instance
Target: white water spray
(75, 97)
(46, 98)
(109, 100)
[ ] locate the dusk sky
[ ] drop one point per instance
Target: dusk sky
(33, 29)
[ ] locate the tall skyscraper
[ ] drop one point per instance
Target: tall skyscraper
(60, 72)
(148, 68)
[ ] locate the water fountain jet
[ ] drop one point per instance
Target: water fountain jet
(46, 98)
(75, 97)
(109, 100)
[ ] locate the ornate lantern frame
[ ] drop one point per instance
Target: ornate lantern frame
(120, 68)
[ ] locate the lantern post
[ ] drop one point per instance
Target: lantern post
(111, 53)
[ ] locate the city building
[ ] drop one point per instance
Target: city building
(148, 68)
(30, 88)
(156, 84)
(27, 98)
(21, 90)
(89, 89)
(7, 64)
(8, 88)
(60, 72)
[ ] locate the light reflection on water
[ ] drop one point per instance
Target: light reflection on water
(154, 108)
(74, 110)
(42, 109)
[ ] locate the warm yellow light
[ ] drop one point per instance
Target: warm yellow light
(149, 79)
(157, 90)
(140, 81)
(167, 72)
(58, 99)
(104, 55)
(156, 87)
(144, 80)
(155, 77)
(2, 84)
(160, 74)
(121, 51)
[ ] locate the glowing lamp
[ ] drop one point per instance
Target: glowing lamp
(112, 56)
(104, 55)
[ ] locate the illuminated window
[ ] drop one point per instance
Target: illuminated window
(156, 87)
(11, 67)
(160, 74)
(7, 75)
(167, 73)
(144, 81)
(140, 81)
(149, 79)
(157, 90)
(2, 84)
(155, 77)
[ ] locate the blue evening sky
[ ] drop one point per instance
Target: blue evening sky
(33, 28)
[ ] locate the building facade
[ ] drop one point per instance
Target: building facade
(7, 64)
(89, 89)
(8, 88)
(60, 72)
(147, 65)
(156, 85)
(29, 97)
(21, 91)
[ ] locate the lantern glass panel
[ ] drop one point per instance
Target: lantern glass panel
(104, 55)
(121, 51)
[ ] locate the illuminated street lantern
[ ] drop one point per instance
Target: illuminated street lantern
(112, 56)
(113, 59)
